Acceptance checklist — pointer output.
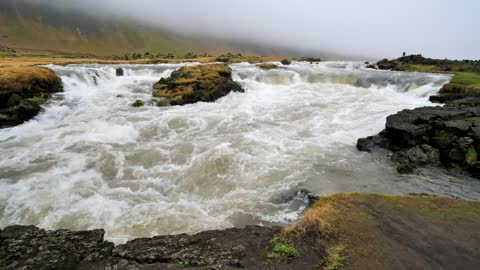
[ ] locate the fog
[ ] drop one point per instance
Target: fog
(372, 28)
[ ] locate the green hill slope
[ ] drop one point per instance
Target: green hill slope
(30, 27)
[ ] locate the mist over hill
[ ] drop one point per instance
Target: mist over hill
(33, 27)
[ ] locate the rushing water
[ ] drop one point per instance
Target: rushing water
(91, 160)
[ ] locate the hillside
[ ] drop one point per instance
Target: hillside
(28, 27)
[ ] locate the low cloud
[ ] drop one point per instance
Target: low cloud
(374, 28)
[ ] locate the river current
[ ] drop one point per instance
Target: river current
(91, 160)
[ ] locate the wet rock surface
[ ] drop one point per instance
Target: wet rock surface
(28, 247)
(193, 84)
(119, 72)
(432, 136)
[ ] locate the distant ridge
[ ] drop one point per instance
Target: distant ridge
(32, 27)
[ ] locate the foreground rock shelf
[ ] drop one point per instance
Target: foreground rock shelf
(346, 231)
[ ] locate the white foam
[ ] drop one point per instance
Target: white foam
(92, 160)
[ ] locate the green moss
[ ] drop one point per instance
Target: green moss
(38, 100)
(471, 156)
(283, 248)
(183, 264)
(163, 103)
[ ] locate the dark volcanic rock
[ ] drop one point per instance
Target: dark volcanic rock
(228, 249)
(431, 136)
(28, 247)
(26, 109)
(119, 72)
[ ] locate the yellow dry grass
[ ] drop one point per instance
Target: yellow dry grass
(18, 78)
(348, 227)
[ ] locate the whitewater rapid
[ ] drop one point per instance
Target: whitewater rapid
(91, 160)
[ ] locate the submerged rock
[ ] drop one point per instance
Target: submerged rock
(192, 84)
(266, 66)
(119, 72)
(138, 103)
(311, 60)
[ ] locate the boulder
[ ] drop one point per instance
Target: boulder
(286, 62)
(193, 84)
(138, 103)
(119, 72)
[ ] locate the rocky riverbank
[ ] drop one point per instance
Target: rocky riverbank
(344, 231)
(23, 90)
(192, 84)
(447, 136)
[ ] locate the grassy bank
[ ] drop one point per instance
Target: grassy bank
(467, 72)
(59, 60)
(373, 231)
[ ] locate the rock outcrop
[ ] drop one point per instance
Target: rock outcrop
(440, 136)
(192, 84)
(286, 62)
(28, 247)
(22, 90)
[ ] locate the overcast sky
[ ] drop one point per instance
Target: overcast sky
(376, 28)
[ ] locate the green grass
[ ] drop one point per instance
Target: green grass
(469, 79)
(283, 248)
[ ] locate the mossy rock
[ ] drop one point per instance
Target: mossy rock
(138, 103)
(27, 82)
(163, 103)
(22, 90)
(193, 84)
(14, 100)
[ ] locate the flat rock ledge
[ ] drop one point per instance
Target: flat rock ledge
(446, 137)
(193, 84)
(23, 90)
(28, 247)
